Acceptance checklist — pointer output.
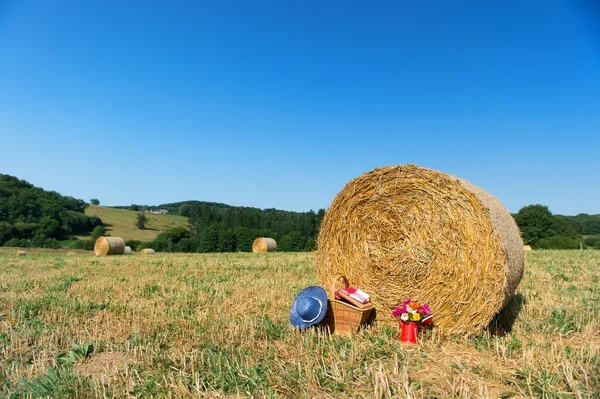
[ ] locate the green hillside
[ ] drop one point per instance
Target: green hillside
(121, 223)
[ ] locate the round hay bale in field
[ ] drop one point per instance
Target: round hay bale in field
(127, 251)
(21, 253)
(409, 232)
(147, 251)
(264, 244)
(71, 254)
(109, 246)
(526, 247)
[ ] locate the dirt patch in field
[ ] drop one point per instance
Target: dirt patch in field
(104, 363)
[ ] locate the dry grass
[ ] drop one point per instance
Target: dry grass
(216, 325)
(121, 223)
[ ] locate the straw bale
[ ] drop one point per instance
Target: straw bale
(147, 251)
(21, 253)
(526, 247)
(264, 244)
(127, 251)
(409, 232)
(109, 246)
(71, 254)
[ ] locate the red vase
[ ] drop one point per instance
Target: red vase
(409, 331)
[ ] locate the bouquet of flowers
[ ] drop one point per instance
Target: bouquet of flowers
(410, 310)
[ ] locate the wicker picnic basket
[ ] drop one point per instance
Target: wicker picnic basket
(343, 318)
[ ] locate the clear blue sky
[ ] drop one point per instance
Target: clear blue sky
(280, 104)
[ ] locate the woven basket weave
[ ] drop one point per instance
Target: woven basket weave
(343, 318)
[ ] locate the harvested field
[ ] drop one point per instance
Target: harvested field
(216, 325)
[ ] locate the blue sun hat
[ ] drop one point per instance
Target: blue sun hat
(309, 307)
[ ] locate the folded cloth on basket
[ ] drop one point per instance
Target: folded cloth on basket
(355, 293)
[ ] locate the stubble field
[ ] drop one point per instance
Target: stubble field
(216, 325)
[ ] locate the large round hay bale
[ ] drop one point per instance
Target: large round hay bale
(71, 253)
(264, 244)
(21, 253)
(147, 251)
(127, 251)
(409, 232)
(109, 246)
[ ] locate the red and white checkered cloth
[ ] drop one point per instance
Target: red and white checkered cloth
(355, 293)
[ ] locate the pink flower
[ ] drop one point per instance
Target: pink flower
(403, 308)
(397, 312)
(425, 310)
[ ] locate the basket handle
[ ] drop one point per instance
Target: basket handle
(335, 280)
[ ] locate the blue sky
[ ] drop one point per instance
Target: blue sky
(280, 104)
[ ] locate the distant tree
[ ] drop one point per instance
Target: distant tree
(97, 232)
(49, 227)
(95, 201)
(174, 235)
(140, 221)
(590, 224)
(226, 241)
(6, 232)
(593, 241)
(244, 238)
(293, 242)
(558, 242)
(185, 245)
(536, 223)
(184, 210)
(133, 244)
(210, 239)
(310, 245)
(134, 207)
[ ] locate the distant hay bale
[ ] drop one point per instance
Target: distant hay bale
(21, 253)
(526, 247)
(109, 246)
(409, 232)
(264, 244)
(71, 254)
(147, 251)
(127, 251)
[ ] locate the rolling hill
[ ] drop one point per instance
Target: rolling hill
(121, 223)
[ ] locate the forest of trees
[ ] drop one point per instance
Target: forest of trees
(32, 217)
(222, 228)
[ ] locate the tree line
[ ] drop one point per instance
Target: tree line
(215, 227)
(541, 229)
(33, 217)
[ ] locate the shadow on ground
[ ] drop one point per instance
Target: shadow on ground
(503, 323)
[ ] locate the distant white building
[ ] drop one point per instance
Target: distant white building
(157, 211)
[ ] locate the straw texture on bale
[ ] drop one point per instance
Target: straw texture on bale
(109, 246)
(264, 244)
(147, 251)
(21, 253)
(409, 232)
(127, 251)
